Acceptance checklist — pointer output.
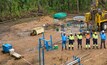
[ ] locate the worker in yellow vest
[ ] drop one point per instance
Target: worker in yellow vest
(79, 40)
(95, 38)
(71, 41)
(88, 40)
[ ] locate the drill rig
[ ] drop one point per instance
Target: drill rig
(96, 16)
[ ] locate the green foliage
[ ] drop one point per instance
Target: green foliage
(17, 8)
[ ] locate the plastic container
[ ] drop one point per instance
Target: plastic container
(60, 15)
(55, 47)
(6, 48)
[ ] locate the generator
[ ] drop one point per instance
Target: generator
(7, 48)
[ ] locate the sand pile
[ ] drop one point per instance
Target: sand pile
(29, 25)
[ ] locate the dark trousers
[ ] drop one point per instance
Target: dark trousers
(64, 45)
(95, 41)
(87, 41)
(102, 43)
(71, 44)
(79, 43)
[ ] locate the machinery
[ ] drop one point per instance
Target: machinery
(48, 44)
(76, 60)
(97, 17)
(7, 48)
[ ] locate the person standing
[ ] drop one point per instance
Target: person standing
(103, 39)
(88, 40)
(64, 40)
(95, 38)
(79, 40)
(71, 41)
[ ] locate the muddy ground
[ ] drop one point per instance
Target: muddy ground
(17, 34)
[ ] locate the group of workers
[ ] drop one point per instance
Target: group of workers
(79, 36)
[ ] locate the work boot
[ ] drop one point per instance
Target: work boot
(89, 48)
(72, 48)
(97, 47)
(78, 46)
(93, 47)
(86, 47)
(81, 47)
(62, 48)
(69, 48)
(65, 48)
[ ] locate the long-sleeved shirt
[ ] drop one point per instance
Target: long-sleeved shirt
(103, 36)
(64, 38)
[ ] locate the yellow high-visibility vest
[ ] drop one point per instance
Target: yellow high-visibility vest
(79, 36)
(71, 37)
(95, 36)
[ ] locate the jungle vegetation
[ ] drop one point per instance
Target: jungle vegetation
(10, 9)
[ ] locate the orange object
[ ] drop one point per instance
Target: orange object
(87, 36)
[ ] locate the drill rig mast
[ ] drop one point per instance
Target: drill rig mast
(96, 16)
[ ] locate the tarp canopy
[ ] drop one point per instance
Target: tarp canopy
(59, 15)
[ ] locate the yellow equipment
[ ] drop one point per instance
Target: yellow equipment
(97, 17)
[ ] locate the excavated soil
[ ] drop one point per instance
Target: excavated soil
(27, 46)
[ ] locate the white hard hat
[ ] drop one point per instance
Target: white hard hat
(70, 33)
(87, 31)
(95, 32)
(103, 31)
(79, 32)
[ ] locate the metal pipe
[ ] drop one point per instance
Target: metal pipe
(51, 42)
(43, 36)
(43, 59)
(42, 39)
(39, 51)
(46, 45)
(74, 62)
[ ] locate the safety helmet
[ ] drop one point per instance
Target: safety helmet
(70, 33)
(79, 32)
(102, 31)
(95, 32)
(87, 31)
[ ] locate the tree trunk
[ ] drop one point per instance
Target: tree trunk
(77, 6)
(68, 5)
(40, 12)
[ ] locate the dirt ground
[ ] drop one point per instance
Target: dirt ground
(26, 45)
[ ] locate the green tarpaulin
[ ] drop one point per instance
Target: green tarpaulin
(60, 15)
